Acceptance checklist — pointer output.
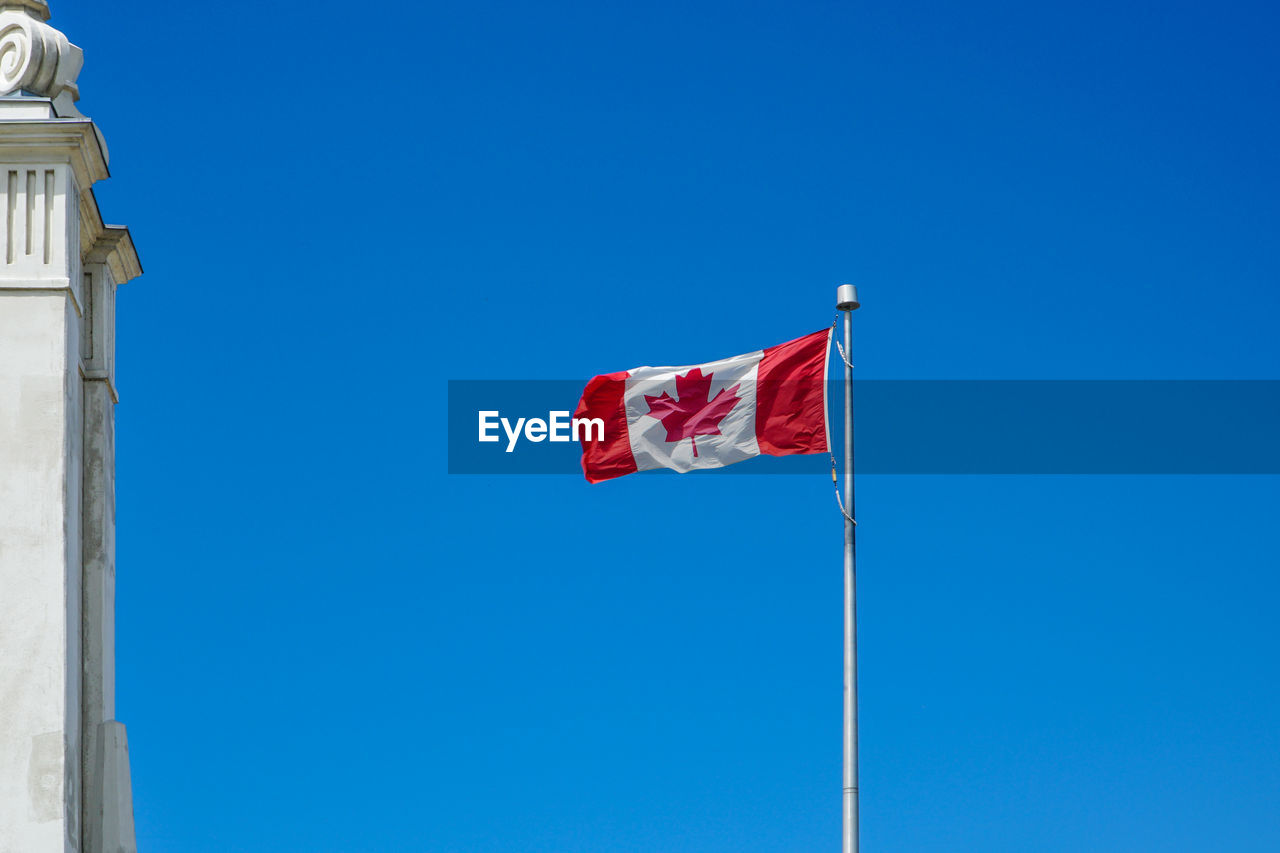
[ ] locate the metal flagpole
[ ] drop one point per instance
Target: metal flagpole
(847, 301)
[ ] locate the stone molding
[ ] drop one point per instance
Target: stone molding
(34, 8)
(114, 248)
(79, 142)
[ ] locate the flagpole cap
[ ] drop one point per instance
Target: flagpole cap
(847, 298)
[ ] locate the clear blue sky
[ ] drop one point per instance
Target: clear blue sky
(327, 644)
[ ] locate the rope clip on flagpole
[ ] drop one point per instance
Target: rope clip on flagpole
(835, 481)
(847, 301)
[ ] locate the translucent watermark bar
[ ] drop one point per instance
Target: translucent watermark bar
(931, 427)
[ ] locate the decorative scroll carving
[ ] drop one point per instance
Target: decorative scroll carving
(34, 57)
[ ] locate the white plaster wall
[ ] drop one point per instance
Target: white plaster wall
(97, 555)
(73, 579)
(40, 470)
(64, 772)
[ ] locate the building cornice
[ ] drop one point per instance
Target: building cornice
(77, 142)
(33, 141)
(114, 247)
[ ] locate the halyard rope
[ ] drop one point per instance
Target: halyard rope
(839, 347)
(835, 478)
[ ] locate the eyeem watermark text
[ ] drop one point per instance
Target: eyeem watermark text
(558, 426)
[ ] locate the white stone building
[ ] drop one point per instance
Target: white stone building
(64, 771)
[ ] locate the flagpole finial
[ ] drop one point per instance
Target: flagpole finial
(847, 298)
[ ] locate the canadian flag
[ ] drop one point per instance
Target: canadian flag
(710, 415)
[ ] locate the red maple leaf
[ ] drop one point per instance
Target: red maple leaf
(693, 414)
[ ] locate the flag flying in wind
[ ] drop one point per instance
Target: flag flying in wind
(708, 415)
